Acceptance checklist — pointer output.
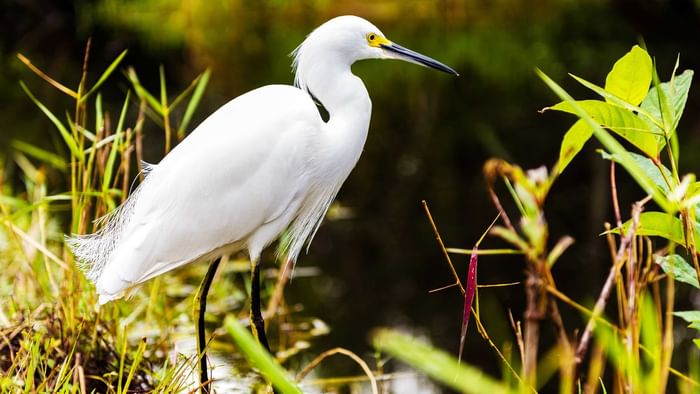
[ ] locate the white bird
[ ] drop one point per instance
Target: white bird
(264, 162)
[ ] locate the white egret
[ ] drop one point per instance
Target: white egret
(264, 162)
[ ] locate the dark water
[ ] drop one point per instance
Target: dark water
(429, 137)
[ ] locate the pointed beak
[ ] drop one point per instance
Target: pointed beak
(395, 51)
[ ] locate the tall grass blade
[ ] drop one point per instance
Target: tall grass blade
(109, 167)
(134, 366)
(103, 77)
(45, 77)
(260, 358)
(142, 93)
(202, 82)
(436, 363)
(50, 158)
(67, 137)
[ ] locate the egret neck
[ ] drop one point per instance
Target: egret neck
(345, 98)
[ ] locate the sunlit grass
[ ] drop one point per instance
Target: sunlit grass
(53, 335)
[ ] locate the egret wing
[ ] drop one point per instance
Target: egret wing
(243, 167)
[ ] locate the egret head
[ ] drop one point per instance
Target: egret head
(344, 40)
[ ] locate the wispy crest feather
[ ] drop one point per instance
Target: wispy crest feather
(297, 64)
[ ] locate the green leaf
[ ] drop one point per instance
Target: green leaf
(67, 137)
(573, 142)
(617, 352)
(612, 99)
(99, 115)
(259, 358)
(693, 192)
(50, 158)
(677, 92)
(118, 135)
(681, 270)
(621, 121)
(688, 316)
(104, 76)
(650, 169)
(658, 224)
(163, 91)
(436, 363)
(630, 76)
(611, 144)
(651, 340)
(202, 82)
(142, 93)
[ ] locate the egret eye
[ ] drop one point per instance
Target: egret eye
(371, 37)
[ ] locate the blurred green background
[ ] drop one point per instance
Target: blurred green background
(429, 136)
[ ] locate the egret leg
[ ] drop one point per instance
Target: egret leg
(256, 317)
(200, 307)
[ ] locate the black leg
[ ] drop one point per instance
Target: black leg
(256, 317)
(200, 307)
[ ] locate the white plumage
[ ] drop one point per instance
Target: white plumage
(263, 162)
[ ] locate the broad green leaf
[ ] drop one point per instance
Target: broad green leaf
(653, 120)
(630, 76)
(664, 105)
(649, 168)
(660, 224)
(612, 145)
(621, 121)
(681, 270)
(612, 99)
(677, 93)
(688, 316)
(573, 142)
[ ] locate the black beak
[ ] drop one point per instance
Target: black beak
(398, 52)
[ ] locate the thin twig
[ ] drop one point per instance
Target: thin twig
(499, 207)
(483, 252)
(484, 334)
(601, 320)
(613, 192)
(278, 293)
(46, 78)
(609, 282)
(442, 288)
(339, 350)
(518, 336)
(41, 248)
(442, 247)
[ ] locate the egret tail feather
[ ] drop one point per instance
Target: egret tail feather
(93, 251)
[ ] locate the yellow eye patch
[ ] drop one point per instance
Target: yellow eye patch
(375, 40)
